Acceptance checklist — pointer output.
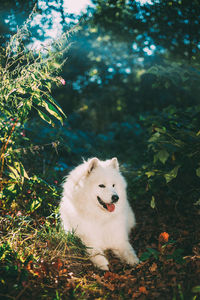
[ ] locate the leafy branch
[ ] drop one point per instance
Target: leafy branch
(27, 80)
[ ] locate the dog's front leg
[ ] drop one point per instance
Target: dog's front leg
(98, 258)
(126, 253)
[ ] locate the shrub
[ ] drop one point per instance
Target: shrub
(173, 149)
(27, 78)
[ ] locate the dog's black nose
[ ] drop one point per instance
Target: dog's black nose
(115, 198)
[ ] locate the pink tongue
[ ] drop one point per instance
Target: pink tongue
(110, 207)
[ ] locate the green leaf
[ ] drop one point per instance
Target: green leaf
(153, 204)
(18, 172)
(197, 202)
(48, 86)
(45, 117)
(14, 172)
(154, 137)
(196, 289)
(150, 252)
(172, 174)
(11, 187)
(52, 110)
(198, 133)
(162, 156)
(17, 166)
(28, 104)
(145, 256)
(150, 173)
(161, 130)
(198, 172)
(23, 172)
(50, 98)
(154, 252)
(35, 204)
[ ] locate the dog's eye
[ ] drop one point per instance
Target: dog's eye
(113, 185)
(102, 186)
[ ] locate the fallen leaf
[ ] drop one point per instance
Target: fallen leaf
(109, 286)
(143, 290)
(62, 271)
(153, 267)
(58, 264)
(135, 295)
(111, 276)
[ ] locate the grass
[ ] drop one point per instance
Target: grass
(42, 238)
(33, 249)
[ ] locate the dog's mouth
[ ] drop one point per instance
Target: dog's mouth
(108, 206)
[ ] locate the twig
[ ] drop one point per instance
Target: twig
(3, 150)
(21, 292)
(7, 296)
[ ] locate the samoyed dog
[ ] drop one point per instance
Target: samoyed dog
(94, 205)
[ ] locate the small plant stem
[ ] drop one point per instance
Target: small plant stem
(3, 151)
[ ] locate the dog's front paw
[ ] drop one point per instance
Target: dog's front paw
(132, 259)
(100, 262)
(127, 254)
(104, 267)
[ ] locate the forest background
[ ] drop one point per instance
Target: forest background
(119, 79)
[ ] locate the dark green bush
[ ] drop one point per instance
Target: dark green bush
(173, 169)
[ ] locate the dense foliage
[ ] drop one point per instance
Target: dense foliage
(27, 79)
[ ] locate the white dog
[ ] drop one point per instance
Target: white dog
(95, 206)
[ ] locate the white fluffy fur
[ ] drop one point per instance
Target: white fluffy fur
(98, 228)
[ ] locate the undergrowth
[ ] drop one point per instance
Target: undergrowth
(34, 250)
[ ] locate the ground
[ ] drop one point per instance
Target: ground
(167, 242)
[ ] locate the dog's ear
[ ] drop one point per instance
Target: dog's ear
(92, 165)
(114, 163)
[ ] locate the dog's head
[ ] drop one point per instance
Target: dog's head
(105, 185)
